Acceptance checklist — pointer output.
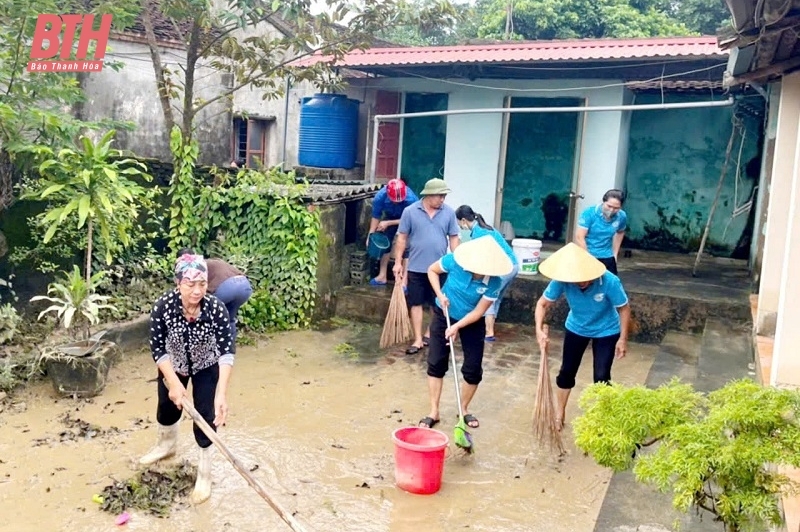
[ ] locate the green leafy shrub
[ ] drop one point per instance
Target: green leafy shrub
(9, 318)
(93, 185)
(719, 452)
(257, 218)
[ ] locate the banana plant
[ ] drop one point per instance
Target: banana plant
(94, 184)
(75, 303)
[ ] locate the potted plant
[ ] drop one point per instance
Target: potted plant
(80, 365)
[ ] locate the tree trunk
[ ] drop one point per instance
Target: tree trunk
(158, 66)
(7, 172)
(192, 56)
(89, 251)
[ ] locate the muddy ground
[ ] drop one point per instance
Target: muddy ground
(312, 415)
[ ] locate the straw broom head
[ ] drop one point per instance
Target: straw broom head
(397, 326)
(545, 425)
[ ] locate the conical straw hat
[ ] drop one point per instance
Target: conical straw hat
(483, 256)
(572, 264)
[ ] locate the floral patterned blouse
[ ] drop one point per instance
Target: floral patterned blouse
(190, 345)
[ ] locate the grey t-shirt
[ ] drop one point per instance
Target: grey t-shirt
(428, 237)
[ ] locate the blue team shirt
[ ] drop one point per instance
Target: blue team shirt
(464, 291)
(478, 231)
(592, 312)
(600, 236)
(382, 205)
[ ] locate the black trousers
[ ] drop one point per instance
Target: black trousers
(610, 264)
(204, 389)
(603, 350)
(472, 343)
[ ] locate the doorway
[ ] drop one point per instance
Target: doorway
(541, 168)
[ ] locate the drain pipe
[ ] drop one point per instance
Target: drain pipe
(599, 108)
(285, 122)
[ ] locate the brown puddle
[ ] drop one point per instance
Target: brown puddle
(312, 415)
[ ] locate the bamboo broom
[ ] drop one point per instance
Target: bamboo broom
(397, 326)
(545, 425)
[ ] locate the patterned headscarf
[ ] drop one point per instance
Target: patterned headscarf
(191, 268)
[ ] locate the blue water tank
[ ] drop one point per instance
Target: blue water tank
(328, 131)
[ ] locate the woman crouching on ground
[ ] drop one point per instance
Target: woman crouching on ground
(473, 284)
(598, 313)
(190, 339)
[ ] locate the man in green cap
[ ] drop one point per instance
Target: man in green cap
(427, 228)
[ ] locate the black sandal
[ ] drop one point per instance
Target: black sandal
(428, 422)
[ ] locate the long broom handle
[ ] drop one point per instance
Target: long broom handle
(208, 431)
(546, 331)
(455, 370)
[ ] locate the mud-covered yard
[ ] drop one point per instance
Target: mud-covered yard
(312, 414)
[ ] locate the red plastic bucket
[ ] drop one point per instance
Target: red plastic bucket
(419, 459)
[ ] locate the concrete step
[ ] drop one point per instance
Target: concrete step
(653, 314)
(726, 353)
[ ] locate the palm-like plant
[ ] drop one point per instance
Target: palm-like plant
(94, 182)
(75, 304)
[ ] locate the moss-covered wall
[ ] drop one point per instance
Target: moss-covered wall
(423, 140)
(331, 259)
(674, 164)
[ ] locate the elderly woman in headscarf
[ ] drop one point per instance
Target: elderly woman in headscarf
(190, 339)
(598, 313)
(473, 283)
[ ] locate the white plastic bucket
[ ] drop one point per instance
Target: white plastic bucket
(527, 252)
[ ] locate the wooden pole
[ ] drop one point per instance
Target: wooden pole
(212, 435)
(716, 199)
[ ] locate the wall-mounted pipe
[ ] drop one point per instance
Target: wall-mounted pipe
(590, 109)
(287, 90)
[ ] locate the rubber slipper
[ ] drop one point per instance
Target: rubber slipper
(428, 422)
(471, 421)
(413, 350)
(426, 341)
(489, 339)
(373, 282)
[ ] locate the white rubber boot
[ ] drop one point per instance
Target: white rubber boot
(202, 488)
(165, 447)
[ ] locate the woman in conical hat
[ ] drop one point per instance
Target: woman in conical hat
(473, 283)
(477, 226)
(599, 313)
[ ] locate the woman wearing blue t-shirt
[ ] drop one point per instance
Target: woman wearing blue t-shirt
(601, 229)
(473, 284)
(477, 227)
(598, 313)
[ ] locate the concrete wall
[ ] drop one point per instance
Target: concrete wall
(674, 165)
(131, 95)
(473, 141)
(782, 246)
(778, 220)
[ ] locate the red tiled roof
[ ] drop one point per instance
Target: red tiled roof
(527, 51)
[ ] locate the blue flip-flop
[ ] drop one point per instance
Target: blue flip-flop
(489, 339)
(373, 282)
